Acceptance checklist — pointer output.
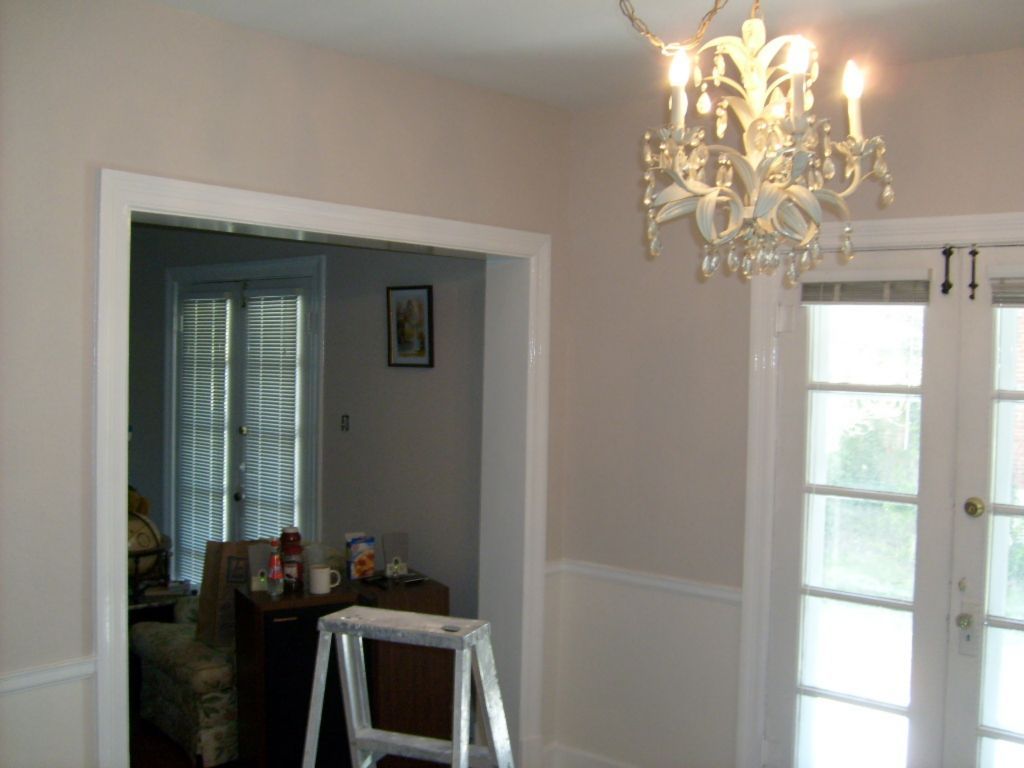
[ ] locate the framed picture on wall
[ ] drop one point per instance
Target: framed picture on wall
(411, 326)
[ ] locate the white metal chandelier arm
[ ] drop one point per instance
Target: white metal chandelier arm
(764, 207)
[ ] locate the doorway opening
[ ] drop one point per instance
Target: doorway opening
(513, 475)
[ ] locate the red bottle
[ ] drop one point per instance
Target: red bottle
(291, 556)
(275, 571)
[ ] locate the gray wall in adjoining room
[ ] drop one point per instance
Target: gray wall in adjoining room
(411, 459)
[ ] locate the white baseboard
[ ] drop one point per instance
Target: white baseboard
(716, 592)
(561, 756)
(49, 674)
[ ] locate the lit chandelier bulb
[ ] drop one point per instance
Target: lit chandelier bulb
(797, 61)
(798, 58)
(853, 80)
(853, 88)
(678, 75)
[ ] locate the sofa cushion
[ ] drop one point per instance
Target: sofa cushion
(175, 652)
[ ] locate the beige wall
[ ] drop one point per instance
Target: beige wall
(137, 87)
(653, 410)
(134, 86)
(653, 406)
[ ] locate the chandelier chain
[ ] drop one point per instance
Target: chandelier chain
(669, 49)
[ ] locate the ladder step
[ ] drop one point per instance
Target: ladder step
(406, 627)
(421, 747)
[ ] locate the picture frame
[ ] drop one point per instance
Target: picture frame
(411, 326)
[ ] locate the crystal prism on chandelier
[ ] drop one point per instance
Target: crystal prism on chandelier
(759, 207)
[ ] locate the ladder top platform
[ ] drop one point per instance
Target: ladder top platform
(406, 627)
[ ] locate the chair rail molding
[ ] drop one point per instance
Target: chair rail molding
(983, 230)
(643, 580)
(514, 446)
(48, 674)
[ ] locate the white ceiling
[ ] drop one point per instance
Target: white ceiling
(582, 53)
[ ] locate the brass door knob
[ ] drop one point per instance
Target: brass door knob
(974, 507)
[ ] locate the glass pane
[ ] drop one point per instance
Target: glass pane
(1003, 695)
(1006, 567)
(866, 344)
(869, 442)
(996, 753)
(859, 650)
(839, 735)
(1010, 348)
(1009, 453)
(856, 545)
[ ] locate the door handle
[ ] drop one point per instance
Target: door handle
(974, 507)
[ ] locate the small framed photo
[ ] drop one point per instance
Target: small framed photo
(411, 326)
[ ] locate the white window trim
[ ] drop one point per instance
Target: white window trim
(311, 267)
(762, 439)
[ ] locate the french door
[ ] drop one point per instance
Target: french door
(243, 436)
(897, 622)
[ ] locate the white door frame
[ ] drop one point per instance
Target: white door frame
(513, 505)
(763, 431)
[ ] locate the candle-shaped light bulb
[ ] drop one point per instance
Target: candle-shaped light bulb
(853, 87)
(853, 80)
(678, 75)
(798, 59)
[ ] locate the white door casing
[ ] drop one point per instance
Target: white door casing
(515, 428)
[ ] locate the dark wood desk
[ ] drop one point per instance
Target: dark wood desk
(275, 644)
(410, 687)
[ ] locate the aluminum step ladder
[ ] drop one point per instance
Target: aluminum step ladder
(470, 639)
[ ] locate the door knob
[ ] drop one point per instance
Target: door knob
(974, 507)
(964, 620)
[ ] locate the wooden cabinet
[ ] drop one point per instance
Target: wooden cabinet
(410, 687)
(275, 644)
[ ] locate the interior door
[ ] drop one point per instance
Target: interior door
(888, 398)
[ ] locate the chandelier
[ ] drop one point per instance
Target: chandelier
(758, 207)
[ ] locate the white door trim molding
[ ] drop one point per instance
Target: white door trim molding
(763, 429)
(516, 407)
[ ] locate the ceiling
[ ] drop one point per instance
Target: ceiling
(583, 53)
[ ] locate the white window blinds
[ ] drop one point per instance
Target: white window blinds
(271, 408)
(201, 456)
(866, 292)
(245, 380)
(1008, 292)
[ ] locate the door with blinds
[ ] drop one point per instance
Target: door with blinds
(243, 433)
(900, 439)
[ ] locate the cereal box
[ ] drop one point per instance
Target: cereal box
(359, 555)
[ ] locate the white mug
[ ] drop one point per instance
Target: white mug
(322, 579)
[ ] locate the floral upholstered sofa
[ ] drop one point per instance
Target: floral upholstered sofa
(187, 686)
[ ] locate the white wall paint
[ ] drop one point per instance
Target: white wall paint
(647, 668)
(26, 742)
